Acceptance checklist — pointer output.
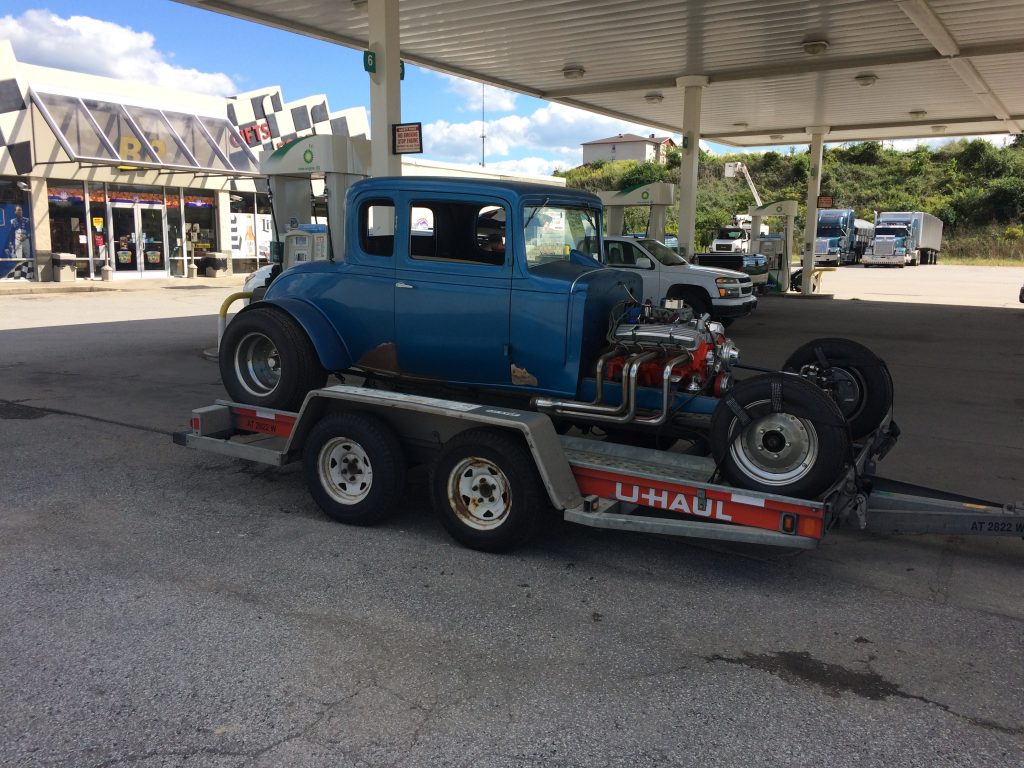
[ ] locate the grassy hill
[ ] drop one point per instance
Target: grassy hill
(977, 189)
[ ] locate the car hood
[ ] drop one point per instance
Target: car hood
(709, 271)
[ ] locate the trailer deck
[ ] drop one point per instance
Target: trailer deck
(606, 485)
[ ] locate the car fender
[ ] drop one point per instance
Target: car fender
(330, 347)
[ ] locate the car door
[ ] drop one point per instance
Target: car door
(632, 257)
(452, 289)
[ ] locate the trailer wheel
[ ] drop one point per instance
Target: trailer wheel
(856, 378)
(266, 359)
(779, 434)
(354, 468)
(486, 490)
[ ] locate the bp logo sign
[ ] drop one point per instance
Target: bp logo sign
(307, 156)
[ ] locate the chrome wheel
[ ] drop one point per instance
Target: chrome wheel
(257, 364)
(344, 470)
(776, 449)
(479, 493)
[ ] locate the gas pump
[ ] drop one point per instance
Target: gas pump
(292, 170)
(777, 248)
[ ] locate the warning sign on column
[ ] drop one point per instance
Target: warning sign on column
(406, 138)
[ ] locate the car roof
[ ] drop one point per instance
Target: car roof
(450, 184)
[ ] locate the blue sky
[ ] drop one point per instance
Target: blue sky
(179, 46)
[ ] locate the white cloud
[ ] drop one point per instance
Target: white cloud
(96, 47)
(494, 99)
(552, 134)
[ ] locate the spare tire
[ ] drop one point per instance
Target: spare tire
(855, 377)
(777, 433)
(266, 359)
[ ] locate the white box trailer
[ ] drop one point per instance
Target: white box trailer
(904, 237)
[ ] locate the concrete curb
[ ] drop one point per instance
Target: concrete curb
(30, 288)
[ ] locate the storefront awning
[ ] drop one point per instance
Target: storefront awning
(109, 133)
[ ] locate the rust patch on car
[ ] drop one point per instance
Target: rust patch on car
(383, 357)
(523, 376)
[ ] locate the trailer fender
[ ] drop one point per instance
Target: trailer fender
(330, 347)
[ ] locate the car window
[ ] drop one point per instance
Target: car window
(552, 232)
(457, 231)
(377, 227)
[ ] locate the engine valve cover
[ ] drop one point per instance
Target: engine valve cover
(666, 335)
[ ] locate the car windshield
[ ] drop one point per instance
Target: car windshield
(731, 233)
(662, 253)
(552, 231)
(894, 231)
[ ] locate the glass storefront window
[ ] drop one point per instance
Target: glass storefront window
(159, 135)
(72, 120)
(191, 132)
(114, 123)
(68, 231)
(100, 226)
(175, 241)
(16, 235)
(200, 222)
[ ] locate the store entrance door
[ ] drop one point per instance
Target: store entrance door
(138, 239)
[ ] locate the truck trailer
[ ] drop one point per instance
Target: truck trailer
(904, 237)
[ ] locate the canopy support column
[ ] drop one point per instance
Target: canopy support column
(813, 190)
(693, 89)
(385, 85)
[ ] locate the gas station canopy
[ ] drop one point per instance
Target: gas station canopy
(866, 69)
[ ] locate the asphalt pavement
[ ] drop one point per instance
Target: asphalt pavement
(163, 607)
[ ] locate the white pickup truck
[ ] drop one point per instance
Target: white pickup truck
(721, 293)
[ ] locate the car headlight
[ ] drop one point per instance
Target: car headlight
(728, 287)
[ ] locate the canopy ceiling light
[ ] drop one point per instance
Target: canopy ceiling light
(938, 129)
(776, 137)
(866, 79)
(741, 126)
(654, 98)
(815, 47)
(573, 71)
(918, 114)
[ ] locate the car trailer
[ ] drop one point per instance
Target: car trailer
(354, 443)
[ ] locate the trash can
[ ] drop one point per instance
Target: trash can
(215, 264)
(64, 267)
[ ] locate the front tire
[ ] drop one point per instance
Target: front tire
(697, 301)
(485, 488)
(266, 359)
(354, 468)
(777, 433)
(856, 378)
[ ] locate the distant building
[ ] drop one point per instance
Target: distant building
(628, 146)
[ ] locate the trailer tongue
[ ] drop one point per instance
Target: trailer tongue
(594, 483)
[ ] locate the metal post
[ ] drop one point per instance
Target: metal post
(693, 88)
(813, 190)
(385, 85)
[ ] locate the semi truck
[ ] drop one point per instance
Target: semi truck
(840, 238)
(474, 344)
(904, 237)
(735, 238)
